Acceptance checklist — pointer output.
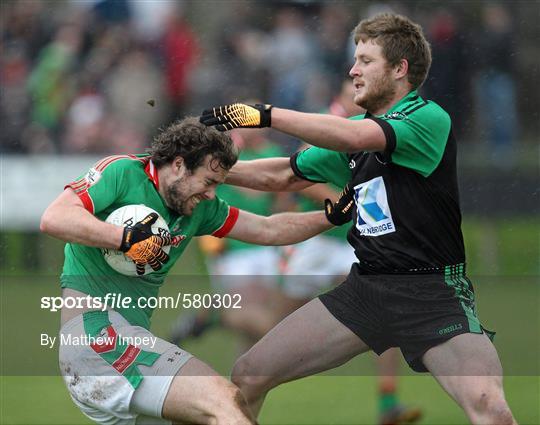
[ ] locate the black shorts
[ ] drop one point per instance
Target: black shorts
(412, 312)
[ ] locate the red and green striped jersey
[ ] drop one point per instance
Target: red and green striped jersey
(122, 180)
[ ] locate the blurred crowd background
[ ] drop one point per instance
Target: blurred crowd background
(76, 78)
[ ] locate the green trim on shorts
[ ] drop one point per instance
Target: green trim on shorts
(123, 357)
(454, 276)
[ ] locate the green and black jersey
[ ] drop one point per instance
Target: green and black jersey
(407, 217)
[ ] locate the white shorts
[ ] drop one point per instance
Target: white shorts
(122, 378)
(315, 264)
(244, 266)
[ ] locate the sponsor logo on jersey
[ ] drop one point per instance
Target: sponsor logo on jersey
(92, 177)
(400, 116)
(373, 216)
(352, 164)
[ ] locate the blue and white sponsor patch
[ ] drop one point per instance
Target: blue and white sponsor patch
(373, 213)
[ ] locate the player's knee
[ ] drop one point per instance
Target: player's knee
(491, 405)
(246, 377)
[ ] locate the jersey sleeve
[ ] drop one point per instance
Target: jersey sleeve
(321, 165)
(417, 140)
(100, 186)
(218, 220)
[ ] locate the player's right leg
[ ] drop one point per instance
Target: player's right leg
(306, 342)
(127, 376)
(199, 395)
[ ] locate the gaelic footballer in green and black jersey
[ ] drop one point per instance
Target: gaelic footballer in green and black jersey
(407, 216)
(409, 287)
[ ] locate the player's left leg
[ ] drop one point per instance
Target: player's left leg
(468, 368)
(306, 342)
(197, 394)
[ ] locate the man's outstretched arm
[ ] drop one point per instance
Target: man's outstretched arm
(278, 229)
(269, 174)
(329, 131)
(326, 131)
(290, 228)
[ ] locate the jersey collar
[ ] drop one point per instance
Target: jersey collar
(152, 173)
(409, 97)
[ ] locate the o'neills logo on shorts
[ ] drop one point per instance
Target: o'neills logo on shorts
(373, 213)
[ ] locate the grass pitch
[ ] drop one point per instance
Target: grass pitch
(504, 262)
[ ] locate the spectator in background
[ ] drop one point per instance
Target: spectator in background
(105, 50)
(85, 121)
(51, 82)
(23, 34)
(149, 18)
(245, 61)
(446, 84)
(91, 128)
(495, 86)
(129, 86)
(112, 11)
(180, 52)
(291, 57)
(24, 24)
(14, 102)
(333, 39)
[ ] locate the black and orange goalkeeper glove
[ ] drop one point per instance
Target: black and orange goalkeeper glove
(235, 115)
(340, 212)
(144, 247)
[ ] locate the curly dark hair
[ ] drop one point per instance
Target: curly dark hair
(193, 141)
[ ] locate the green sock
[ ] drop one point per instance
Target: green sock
(387, 401)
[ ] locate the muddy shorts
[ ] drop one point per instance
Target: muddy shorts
(117, 373)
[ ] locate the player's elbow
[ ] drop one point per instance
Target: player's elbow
(285, 181)
(46, 222)
(271, 182)
(49, 221)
